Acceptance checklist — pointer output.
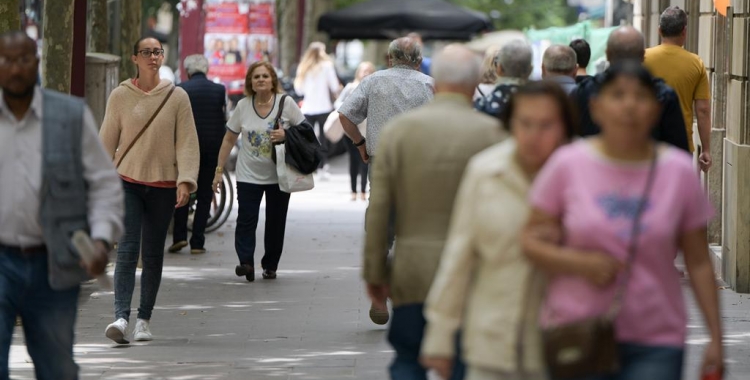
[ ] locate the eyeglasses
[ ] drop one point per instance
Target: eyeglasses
(147, 53)
(23, 61)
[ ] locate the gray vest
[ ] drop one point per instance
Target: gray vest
(64, 191)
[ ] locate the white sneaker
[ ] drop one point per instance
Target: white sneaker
(142, 333)
(116, 331)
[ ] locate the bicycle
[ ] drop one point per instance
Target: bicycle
(221, 206)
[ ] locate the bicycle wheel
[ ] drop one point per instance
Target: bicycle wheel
(217, 208)
(227, 203)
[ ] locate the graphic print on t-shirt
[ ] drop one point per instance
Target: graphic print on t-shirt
(621, 210)
(260, 142)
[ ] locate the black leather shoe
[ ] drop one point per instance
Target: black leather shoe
(245, 270)
(269, 274)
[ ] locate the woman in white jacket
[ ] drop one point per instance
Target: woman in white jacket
(484, 286)
(316, 80)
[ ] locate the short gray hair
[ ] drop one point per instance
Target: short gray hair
(196, 63)
(456, 65)
(672, 22)
(559, 59)
(405, 51)
(515, 59)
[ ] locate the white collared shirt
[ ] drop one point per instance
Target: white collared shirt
(21, 178)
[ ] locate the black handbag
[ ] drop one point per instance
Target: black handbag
(589, 347)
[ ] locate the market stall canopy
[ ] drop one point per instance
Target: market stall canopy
(390, 19)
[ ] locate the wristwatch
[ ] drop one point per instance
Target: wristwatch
(359, 144)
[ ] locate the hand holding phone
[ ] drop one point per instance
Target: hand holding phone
(91, 258)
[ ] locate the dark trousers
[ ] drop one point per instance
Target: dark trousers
(357, 167)
(48, 316)
(148, 211)
(405, 336)
(204, 198)
(320, 120)
(249, 197)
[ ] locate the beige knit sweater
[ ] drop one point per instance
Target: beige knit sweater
(168, 150)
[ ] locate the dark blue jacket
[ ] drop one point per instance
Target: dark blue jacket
(208, 101)
(671, 126)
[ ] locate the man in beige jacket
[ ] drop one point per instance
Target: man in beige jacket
(421, 155)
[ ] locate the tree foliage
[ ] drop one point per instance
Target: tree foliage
(513, 14)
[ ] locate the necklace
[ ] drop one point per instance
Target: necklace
(266, 102)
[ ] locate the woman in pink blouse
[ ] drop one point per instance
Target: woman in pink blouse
(591, 191)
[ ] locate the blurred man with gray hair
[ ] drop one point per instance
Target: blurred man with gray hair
(559, 65)
(380, 97)
(208, 101)
(421, 151)
(513, 63)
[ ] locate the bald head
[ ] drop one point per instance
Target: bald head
(625, 43)
(559, 60)
(405, 51)
(456, 69)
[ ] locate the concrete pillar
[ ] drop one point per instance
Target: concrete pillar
(736, 207)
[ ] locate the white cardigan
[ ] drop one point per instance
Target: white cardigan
(484, 277)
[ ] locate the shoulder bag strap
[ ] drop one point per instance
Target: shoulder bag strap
(480, 91)
(148, 124)
(276, 124)
(281, 110)
(633, 247)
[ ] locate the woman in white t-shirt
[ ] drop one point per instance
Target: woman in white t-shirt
(316, 80)
(253, 119)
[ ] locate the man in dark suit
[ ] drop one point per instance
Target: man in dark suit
(208, 101)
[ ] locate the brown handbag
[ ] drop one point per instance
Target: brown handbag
(589, 347)
(143, 130)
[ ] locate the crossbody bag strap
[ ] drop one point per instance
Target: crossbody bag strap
(143, 130)
(614, 309)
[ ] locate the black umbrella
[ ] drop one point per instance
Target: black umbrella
(389, 19)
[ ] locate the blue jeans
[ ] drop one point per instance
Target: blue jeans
(405, 335)
(148, 212)
(249, 196)
(641, 362)
(48, 316)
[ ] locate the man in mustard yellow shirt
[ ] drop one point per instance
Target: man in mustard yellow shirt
(685, 73)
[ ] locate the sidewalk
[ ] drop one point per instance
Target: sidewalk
(311, 323)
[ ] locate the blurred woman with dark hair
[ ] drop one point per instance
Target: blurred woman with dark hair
(626, 205)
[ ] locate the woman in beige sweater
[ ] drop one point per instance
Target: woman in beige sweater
(158, 172)
(484, 286)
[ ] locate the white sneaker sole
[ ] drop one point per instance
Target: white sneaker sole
(117, 335)
(143, 338)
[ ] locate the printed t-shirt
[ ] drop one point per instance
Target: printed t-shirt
(596, 199)
(685, 73)
(254, 164)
